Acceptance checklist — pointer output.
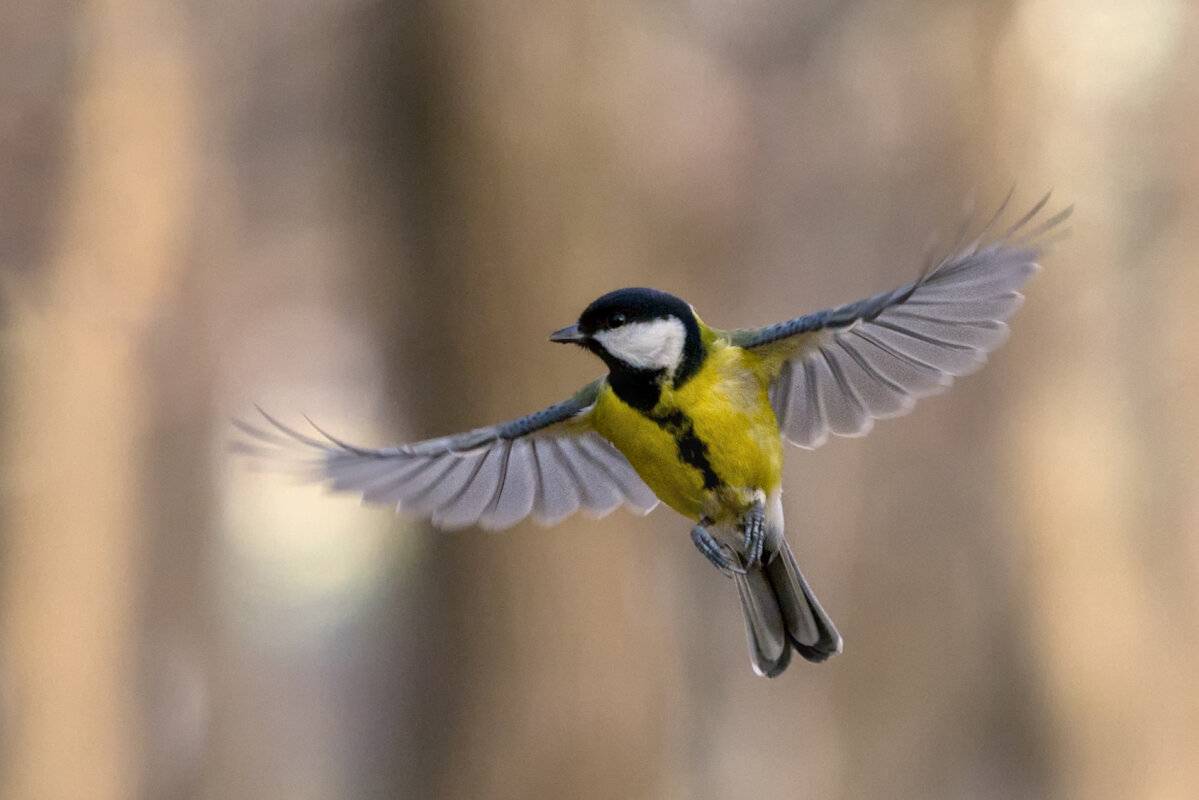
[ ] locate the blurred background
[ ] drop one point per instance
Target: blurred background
(375, 213)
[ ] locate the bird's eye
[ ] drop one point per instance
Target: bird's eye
(616, 320)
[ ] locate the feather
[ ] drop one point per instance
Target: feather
(548, 465)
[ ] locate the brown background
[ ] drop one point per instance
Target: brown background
(375, 212)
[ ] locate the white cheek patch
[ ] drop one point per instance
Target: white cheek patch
(657, 344)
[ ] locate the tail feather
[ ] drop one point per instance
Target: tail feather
(809, 627)
(765, 627)
(781, 613)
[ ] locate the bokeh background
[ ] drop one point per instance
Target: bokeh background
(375, 212)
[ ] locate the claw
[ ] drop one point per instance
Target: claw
(754, 525)
(719, 554)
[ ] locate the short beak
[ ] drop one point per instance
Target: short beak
(570, 333)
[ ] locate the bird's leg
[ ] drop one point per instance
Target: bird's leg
(753, 524)
(712, 550)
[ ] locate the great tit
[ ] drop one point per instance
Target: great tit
(695, 417)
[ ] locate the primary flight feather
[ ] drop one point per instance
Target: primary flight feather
(694, 417)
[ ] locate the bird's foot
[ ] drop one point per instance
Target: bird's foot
(719, 554)
(753, 525)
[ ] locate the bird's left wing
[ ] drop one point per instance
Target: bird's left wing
(838, 370)
(549, 464)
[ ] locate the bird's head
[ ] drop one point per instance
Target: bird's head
(639, 330)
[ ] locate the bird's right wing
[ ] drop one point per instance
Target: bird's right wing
(549, 464)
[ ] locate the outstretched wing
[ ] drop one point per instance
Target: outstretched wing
(549, 464)
(840, 369)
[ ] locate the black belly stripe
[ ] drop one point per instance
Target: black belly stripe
(692, 449)
(642, 390)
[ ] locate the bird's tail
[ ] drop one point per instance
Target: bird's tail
(781, 613)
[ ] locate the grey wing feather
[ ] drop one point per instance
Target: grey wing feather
(874, 358)
(549, 465)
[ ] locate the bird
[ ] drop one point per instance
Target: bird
(695, 417)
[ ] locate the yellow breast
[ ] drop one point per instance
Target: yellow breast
(725, 406)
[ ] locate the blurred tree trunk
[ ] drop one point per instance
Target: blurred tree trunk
(1104, 449)
(504, 210)
(75, 410)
